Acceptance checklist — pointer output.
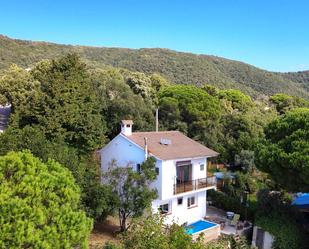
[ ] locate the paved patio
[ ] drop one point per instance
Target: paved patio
(219, 216)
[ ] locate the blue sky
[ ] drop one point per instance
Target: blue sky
(271, 34)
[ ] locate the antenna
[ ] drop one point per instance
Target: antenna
(157, 119)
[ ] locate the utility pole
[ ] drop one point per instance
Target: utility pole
(157, 119)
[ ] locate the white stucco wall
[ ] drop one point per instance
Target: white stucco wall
(268, 239)
(181, 213)
(121, 150)
(169, 174)
(127, 153)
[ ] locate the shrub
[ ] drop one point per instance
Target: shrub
(287, 233)
(229, 203)
(276, 216)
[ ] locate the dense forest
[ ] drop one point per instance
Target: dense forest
(176, 67)
(65, 109)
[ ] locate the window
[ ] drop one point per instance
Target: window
(202, 167)
(138, 167)
(128, 125)
(191, 201)
(164, 209)
(157, 171)
(179, 201)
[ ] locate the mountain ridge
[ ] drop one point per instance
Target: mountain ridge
(178, 67)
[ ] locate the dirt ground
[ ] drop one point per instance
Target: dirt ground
(104, 232)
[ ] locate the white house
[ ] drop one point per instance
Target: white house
(181, 165)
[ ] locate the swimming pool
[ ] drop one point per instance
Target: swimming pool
(199, 226)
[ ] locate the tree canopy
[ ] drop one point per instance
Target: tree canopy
(132, 189)
(177, 67)
(39, 205)
(191, 110)
(284, 153)
(284, 103)
(56, 96)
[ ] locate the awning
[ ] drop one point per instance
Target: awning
(302, 201)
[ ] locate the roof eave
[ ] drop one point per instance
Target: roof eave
(188, 157)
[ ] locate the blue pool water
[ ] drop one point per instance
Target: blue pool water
(198, 226)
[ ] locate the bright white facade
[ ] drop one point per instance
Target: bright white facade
(182, 183)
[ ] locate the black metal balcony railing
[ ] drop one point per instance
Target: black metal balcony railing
(194, 184)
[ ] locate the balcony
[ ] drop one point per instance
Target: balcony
(194, 185)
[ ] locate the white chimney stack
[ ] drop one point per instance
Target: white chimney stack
(126, 127)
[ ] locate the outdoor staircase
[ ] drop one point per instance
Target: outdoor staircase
(239, 243)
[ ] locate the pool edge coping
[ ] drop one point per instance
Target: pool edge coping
(215, 224)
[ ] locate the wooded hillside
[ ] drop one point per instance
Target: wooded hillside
(181, 68)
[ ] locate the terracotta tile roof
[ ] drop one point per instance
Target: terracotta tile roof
(181, 146)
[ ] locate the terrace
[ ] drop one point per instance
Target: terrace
(218, 216)
(196, 184)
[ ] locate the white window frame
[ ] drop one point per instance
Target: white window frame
(167, 211)
(189, 201)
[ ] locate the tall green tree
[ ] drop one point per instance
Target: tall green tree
(121, 102)
(284, 153)
(242, 122)
(284, 103)
(96, 198)
(132, 189)
(39, 205)
(239, 100)
(58, 97)
(192, 110)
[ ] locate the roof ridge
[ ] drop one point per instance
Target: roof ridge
(135, 132)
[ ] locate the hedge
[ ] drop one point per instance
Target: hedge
(229, 203)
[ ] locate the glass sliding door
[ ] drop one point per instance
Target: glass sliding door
(184, 173)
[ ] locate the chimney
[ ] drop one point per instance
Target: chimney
(146, 148)
(126, 127)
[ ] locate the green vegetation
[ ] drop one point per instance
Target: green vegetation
(118, 100)
(284, 103)
(39, 205)
(285, 150)
(180, 68)
(148, 233)
(58, 98)
(64, 109)
(226, 202)
(131, 189)
(227, 121)
(190, 110)
(275, 215)
(286, 232)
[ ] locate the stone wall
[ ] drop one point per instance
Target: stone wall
(210, 234)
